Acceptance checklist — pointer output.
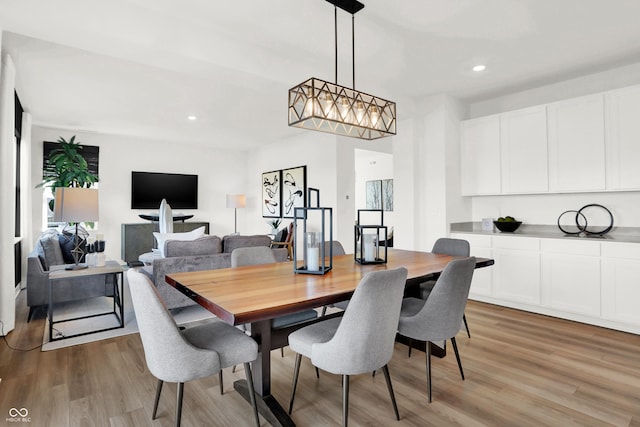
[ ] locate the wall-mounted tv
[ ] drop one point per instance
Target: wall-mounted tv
(149, 188)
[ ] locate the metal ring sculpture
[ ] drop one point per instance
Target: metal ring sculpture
(585, 228)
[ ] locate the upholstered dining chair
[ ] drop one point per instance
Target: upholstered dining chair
(338, 249)
(446, 246)
(361, 340)
(263, 255)
(180, 355)
(438, 318)
(287, 242)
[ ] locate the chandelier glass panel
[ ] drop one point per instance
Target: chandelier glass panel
(319, 105)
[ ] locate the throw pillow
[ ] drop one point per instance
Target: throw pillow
(51, 250)
(191, 235)
(67, 244)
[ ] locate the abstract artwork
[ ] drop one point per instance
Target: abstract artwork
(272, 194)
(379, 194)
(294, 190)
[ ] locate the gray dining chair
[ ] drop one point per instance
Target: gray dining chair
(438, 318)
(361, 340)
(256, 255)
(446, 246)
(338, 249)
(180, 355)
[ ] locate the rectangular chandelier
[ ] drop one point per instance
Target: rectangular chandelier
(328, 107)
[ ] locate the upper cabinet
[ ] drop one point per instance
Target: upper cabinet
(480, 153)
(523, 139)
(577, 145)
(585, 144)
(623, 137)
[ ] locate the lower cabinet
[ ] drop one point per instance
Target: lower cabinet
(621, 282)
(582, 280)
(571, 276)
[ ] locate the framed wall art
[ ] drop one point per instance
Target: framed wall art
(294, 190)
(272, 194)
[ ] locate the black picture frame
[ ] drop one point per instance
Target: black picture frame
(271, 199)
(294, 190)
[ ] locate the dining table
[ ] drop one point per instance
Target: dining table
(255, 295)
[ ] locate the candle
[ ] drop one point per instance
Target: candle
(369, 253)
(312, 259)
(99, 236)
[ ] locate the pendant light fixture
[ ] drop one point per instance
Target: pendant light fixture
(328, 107)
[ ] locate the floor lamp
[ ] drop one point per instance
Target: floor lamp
(236, 201)
(76, 205)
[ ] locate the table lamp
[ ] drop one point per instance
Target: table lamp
(236, 201)
(76, 205)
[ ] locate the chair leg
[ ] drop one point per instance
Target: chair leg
(410, 345)
(179, 404)
(317, 373)
(281, 351)
(296, 371)
(252, 393)
(345, 400)
(221, 385)
(428, 351)
(466, 326)
(387, 377)
(455, 350)
(155, 404)
(324, 310)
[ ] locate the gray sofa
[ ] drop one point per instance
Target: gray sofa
(48, 255)
(204, 253)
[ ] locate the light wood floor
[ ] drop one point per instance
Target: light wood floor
(521, 370)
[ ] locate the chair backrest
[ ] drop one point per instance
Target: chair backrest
(441, 316)
(169, 356)
(365, 337)
(338, 249)
(453, 247)
(252, 256)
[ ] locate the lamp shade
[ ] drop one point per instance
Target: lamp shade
(236, 201)
(75, 205)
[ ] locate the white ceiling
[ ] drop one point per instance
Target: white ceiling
(140, 67)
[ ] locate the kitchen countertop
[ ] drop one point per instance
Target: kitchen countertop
(617, 234)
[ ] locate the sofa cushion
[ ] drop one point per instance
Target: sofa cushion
(163, 237)
(205, 245)
(231, 242)
(49, 250)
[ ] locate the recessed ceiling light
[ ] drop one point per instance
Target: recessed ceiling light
(479, 67)
(192, 118)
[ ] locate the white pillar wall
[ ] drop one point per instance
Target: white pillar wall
(7, 194)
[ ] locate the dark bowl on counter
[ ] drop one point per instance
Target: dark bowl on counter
(507, 226)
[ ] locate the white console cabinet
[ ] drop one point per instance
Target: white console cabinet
(589, 281)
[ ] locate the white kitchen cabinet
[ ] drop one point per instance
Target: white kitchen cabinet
(516, 273)
(482, 277)
(577, 144)
(571, 276)
(523, 142)
(623, 136)
(480, 156)
(621, 282)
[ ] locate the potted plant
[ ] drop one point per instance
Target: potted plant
(67, 167)
(274, 226)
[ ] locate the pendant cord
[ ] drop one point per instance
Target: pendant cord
(353, 49)
(335, 26)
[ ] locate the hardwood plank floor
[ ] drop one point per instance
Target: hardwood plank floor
(521, 369)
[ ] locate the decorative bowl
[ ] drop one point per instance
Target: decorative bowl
(507, 226)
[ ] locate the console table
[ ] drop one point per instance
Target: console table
(137, 239)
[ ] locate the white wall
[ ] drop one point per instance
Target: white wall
(220, 172)
(545, 209)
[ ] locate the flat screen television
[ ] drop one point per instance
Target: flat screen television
(149, 188)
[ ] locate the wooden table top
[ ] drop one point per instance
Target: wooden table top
(259, 292)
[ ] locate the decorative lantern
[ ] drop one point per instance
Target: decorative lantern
(317, 228)
(368, 240)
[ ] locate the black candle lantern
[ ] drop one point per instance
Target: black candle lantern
(312, 227)
(369, 238)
